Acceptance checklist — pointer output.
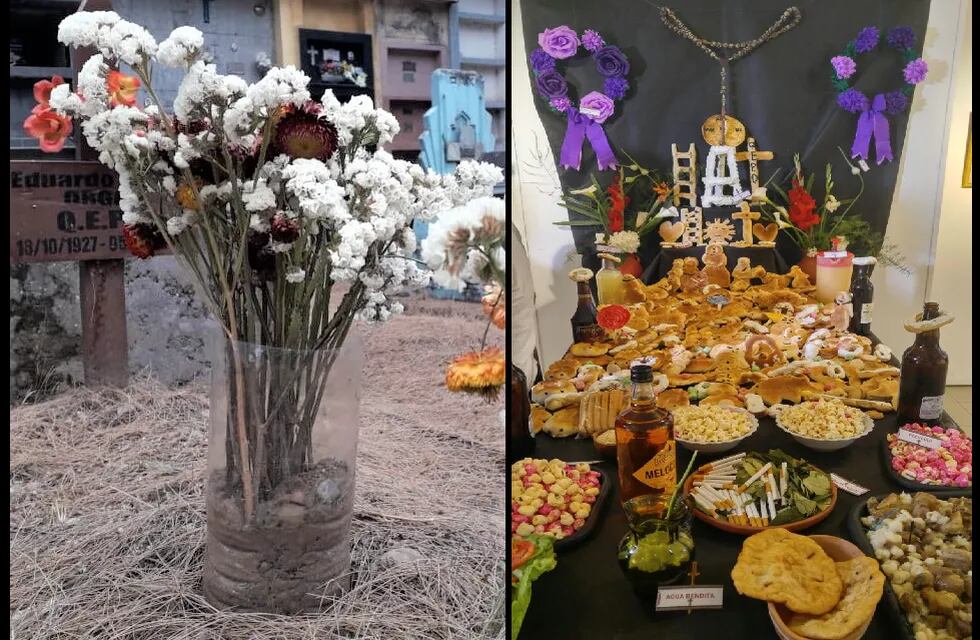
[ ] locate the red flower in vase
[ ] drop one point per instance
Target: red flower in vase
(802, 207)
(617, 207)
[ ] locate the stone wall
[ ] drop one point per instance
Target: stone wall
(166, 326)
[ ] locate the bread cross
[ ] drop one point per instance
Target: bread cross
(747, 217)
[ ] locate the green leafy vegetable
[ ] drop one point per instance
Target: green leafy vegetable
(804, 505)
(541, 561)
(818, 484)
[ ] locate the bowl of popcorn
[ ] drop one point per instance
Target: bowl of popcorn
(712, 428)
(824, 425)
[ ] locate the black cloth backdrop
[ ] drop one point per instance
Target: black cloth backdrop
(782, 91)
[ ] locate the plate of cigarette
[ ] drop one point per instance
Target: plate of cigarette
(748, 492)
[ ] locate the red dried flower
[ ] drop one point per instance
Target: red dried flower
(283, 229)
(302, 133)
(142, 240)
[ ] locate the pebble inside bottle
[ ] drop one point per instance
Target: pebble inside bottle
(923, 383)
(645, 448)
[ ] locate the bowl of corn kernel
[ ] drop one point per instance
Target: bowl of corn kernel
(712, 428)
(824, 425)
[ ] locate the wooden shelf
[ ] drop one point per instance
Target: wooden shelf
(38, 73)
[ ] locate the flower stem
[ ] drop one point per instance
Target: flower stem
(680, 483)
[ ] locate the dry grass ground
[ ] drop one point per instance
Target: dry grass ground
(107, 523)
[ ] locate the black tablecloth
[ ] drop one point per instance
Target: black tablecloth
(587, 596)
(768, 257)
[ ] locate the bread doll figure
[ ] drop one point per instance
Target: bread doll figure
(741, 274)
(716, 266)
(840, 317)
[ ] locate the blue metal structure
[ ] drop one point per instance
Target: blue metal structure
(457, 127)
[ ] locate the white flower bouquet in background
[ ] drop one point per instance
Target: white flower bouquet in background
(271, 200)
(466, 244)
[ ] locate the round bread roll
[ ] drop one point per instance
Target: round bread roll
(589, 349)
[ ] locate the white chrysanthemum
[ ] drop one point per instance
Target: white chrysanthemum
(176, 225)
(318, 196)
(625, 241)
(281, 85)
(92, 86)
(259, 198)
(181, 48)
(295, 275)
(64, 102)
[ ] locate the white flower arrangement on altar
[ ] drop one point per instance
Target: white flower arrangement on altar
(267, 197)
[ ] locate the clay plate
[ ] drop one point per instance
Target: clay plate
(839, 550)
(745, 530)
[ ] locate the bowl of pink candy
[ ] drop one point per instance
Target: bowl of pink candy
(949, 465)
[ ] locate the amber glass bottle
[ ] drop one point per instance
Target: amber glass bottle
(520, 444)
(585, 324)
(923, 383)
(645, 449)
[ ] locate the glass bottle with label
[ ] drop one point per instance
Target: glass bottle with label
(609, 281)
(862, 293)
(585, 325)
(923, 382)
(645, 449)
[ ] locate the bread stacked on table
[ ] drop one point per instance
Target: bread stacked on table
(760, 343)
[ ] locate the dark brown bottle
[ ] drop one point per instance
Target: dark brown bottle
(923, 383)
(645, 448)
(585, 324)
(862, 293)
(520, 444)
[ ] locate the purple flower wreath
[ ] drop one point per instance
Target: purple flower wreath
(872, 121)
(594, 108)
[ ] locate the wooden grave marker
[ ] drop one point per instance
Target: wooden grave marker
(68, 211)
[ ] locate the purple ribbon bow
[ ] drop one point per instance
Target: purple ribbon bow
(579, 128)
(873, 122)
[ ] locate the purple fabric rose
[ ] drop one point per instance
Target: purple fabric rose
(560, 104)
(616, 88)
(844, 66)
(551, 85)
(915, 71)
(596, 106)
(867, 39)
(610, 61)
(901, 38)
(560, 42)
(895, 102)
(853, 101)
(592, 41)
(541, 61)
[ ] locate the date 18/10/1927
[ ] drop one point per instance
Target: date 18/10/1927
(32, 247)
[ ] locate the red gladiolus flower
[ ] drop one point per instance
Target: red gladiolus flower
(801, 207)
(42, 91)
(123, 89)
(50, 129)
(617, 207)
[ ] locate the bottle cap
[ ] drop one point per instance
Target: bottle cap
(641, 373)
(864, 261)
